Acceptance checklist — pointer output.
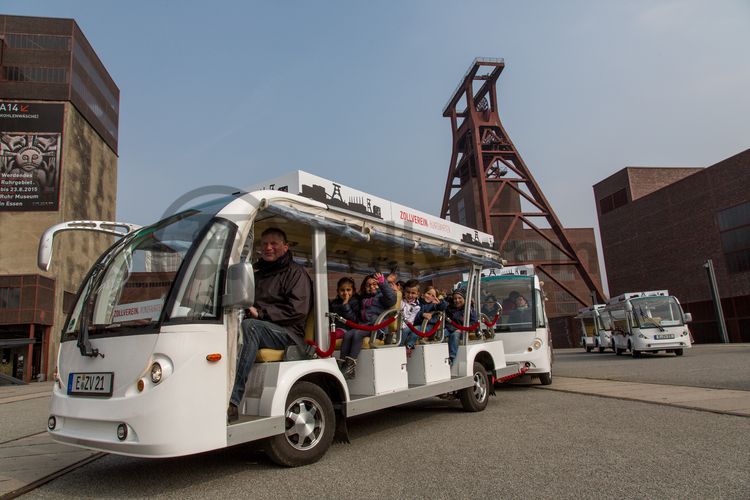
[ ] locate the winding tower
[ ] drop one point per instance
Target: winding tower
(489, 187)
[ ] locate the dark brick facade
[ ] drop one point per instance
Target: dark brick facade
(668, 228)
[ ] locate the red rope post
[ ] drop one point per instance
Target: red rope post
(331, 345)
(493, 322)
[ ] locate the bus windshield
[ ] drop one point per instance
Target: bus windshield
(128, 288)
(604, 322)
(514, 298)
(657, 312)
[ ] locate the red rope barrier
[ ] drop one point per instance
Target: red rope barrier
(490, 325)
(370, 328)
(469, 328)
(420, 332)
(331, 345)
(513, 375)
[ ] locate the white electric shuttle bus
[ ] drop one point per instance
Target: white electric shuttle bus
(513, 302)
(596, 332)
(148, 354)
(650, 321)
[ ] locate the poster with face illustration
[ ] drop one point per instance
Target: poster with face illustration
(30, 155)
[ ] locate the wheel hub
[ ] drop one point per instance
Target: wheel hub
(480, 387)
(304, 424)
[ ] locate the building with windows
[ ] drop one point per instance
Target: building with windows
(660, 225)
(59, 111)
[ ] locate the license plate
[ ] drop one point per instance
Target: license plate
(90, 384)
(664, 336)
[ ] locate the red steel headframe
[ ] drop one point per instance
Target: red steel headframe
(482, 154)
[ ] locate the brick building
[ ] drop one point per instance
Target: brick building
(659, 225)
(59, 111)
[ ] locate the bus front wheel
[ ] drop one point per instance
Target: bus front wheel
(310, 423)
(475, 398)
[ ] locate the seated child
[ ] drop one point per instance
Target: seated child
(429, 304)
(376, 296)
(346, 303)
(409, 309)
(455, 313)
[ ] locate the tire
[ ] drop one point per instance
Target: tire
(636, 354)
(545, 378)
(309, 411)
(601, 349)
(475, 398)
(588, 348)
(678, 352)
(618, 351)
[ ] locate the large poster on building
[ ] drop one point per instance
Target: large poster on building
(30, 155)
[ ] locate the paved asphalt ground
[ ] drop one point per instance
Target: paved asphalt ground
(718, 366)
(528, 443)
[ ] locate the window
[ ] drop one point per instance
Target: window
(734, 232)
(615, 200)
(35, 74)
(37, 42)
(93, 104)
(10, 298)
(91, 71)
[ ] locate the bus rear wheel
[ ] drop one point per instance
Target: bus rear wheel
(310, 423)
(475, 398)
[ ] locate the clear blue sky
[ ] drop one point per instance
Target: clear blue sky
(238, 92)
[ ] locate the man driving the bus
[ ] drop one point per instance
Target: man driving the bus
(283, 299)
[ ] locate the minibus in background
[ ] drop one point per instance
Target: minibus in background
(512, 298)
(148, 354)
(595, 330)
(649, 321)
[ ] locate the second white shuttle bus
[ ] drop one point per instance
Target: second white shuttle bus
(649, 321)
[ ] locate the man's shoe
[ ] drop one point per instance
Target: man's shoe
(233, 413)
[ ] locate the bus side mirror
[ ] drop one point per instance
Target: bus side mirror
(240, 285)
(688, 317)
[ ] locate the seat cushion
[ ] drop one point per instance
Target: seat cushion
(268, 355)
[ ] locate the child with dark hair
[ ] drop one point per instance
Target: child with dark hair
(346, 303)
(376, 296)
(490, 306)
(410, 307)
(456, 313)
(428, 306)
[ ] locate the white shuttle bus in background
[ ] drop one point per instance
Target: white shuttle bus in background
(148, 354)
(596, 332)
(521, 322)
(650, 321)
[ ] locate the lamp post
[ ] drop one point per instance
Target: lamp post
(709, 265)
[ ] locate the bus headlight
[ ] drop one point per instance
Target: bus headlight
(537, 343)
(156, 373)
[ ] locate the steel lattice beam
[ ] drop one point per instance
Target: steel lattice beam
(481, 156)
